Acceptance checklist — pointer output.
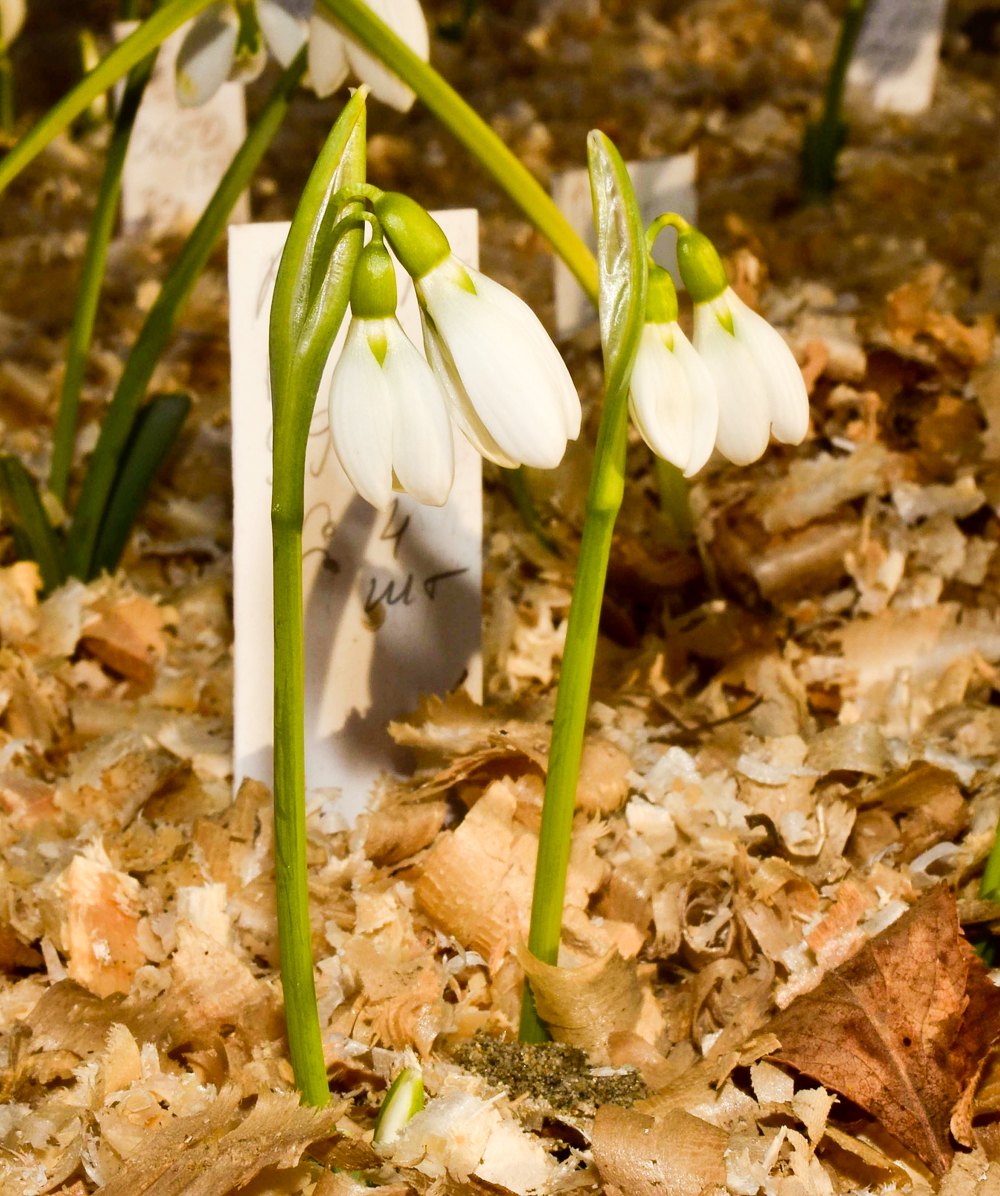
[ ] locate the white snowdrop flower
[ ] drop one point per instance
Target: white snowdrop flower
(672, 398)
(333, 54)
(759, 385)
(388, 419)
(12, 14)
(507, 387)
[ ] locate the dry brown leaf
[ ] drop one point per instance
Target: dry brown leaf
(674, 1155)
(585, 1005)
(220, 1150)
(901, 1027)
(127, 636)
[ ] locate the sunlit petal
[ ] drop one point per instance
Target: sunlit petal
(206, 56)
(406, 19)
(361, 419)
(744, 416)
(513, 387)
(423, 454)
(12, 14)
(705, 402)
(788, 401)
(327, 55)
(284, 28)
(660, 401)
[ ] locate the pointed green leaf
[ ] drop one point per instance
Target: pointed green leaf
(22, 509)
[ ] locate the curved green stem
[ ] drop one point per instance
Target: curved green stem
(102, 225)
(313, 274)
(622, 251)
(472, 131)
(159, 325)
(118, 63)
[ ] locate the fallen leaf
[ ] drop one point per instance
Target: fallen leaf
(676, 1154)
(901, 1027)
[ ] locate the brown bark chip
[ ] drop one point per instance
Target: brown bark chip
(901, 1027)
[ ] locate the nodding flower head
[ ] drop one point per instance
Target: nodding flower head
(507, 387)
(388, 420)
(672, 398)
(759, 386)
(230, 40)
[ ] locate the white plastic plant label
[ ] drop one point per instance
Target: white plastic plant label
(661, 185)
(392, 599)
(177, 156)
(896, 56)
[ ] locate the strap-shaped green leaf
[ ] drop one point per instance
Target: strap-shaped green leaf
(156, 429)
(22, 510)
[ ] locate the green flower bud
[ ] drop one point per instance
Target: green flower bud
(701, 267)
(414, 235)
(404, 1099)
(373, 287)
(661, 296)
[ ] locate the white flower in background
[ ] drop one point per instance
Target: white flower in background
(388, 419)
(333, 54)
(230, 40)
(12, 14)
(672, 398)
(758, 383)
(760, 387)
(507, 386)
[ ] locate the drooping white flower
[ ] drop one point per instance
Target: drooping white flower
(507, 387)
(388, 419)
(12, 14)
(760, 387)
(672, 399)
(225, 42)
(333, 54)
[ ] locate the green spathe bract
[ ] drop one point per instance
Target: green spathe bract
(621, 251)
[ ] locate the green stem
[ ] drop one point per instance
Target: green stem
(159, 324)
(92, 277)
(470, 129)
(7, 112)
(824, 138)
(675, 500)
(119, 62)
(573, 701)
(516, 484)
(310, 299)
(622, 254)
(990, 886)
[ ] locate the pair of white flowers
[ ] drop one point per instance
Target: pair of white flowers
(230, 40)
(734, 388)
(490, 369)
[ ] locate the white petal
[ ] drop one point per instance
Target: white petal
(744, 417)
(205, 58)
(284, 31)
(547, 356)
(406, 19)
(12, 14)
(459, 407)
(327, 55)
(361, 419)
(706, 403)
(660, 400)
(511, 385)
(788, 401)
(423, 454)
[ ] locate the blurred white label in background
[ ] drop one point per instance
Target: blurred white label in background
(896, 57)
(177, 156)
(392, 598)
(661, 185)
